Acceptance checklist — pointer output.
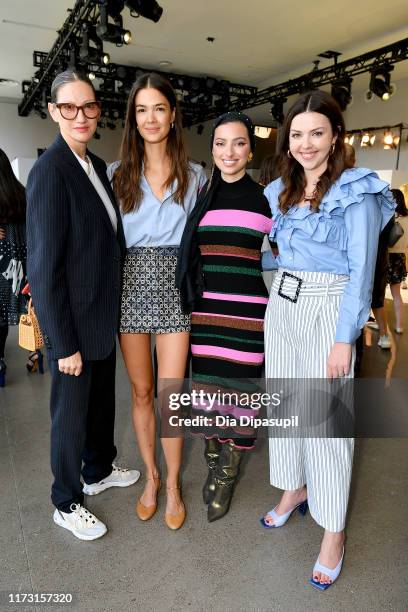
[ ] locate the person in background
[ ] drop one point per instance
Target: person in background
(397, 269)
(75, 246)
(268, 171)
(13, 252)
(220, 279)
(156, 187)
(326, 220)
(349, 155)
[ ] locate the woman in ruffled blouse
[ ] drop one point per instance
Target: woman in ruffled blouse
(327, 220)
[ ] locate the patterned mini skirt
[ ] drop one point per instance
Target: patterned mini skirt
(397, 269)
(150, 299)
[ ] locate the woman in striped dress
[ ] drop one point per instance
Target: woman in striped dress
(227, 228)
(327, 221)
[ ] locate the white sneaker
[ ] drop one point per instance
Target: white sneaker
(384, 342)
(82, 523)
(119, 477)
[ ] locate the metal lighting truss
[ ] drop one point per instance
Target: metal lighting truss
(197, 95)
(202, 98)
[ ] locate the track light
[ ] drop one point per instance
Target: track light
(92, 55)
(262, 132)
(277, 110)
(349, 139)
(390, 141)
(112, 32)
(367, 139)
(380, 83)
(341, 92)
(149, 9)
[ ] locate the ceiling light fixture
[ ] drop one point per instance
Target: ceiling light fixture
(341, 92)
(380, 83)
(367, 139)
(149, 9)
(262, 131)
(112, 32)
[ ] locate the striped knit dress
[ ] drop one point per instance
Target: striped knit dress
(227, 340)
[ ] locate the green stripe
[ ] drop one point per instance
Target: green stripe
(195, 334)
(223, 228)
(226, 383)
(232, 269)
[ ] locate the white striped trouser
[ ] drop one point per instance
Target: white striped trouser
(298, 340)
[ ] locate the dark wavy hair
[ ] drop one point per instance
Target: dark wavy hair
(291, 171)
(127, 177)
(12, 194)
(400, 200)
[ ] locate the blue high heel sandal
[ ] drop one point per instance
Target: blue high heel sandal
(280, 520)
(333, 574)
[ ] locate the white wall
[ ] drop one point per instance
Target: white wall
(22, 136)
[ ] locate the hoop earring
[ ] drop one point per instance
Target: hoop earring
(332, 148)
(289, 154)
(171, 125)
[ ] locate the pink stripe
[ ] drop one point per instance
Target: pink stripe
(256, 258)
(237, 218)
(218, 351)
(230, 297)
(213, 314)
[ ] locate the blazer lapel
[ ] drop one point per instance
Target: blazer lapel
(86, 185)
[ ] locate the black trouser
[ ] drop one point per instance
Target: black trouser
(3, 337)
(82, 428)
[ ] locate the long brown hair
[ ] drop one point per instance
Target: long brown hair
(292, 172)
(12, 194)
(127, 177)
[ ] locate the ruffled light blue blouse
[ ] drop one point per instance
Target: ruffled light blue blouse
(342, 238)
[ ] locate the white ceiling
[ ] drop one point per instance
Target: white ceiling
(257, 42)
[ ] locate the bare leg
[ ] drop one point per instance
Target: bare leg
(398, 305)
(381, 319)
(172, 351)
(137, 355)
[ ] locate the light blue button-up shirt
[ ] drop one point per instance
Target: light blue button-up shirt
(157, 223)
(341, 238)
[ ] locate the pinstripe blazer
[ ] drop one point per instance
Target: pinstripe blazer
(74, 257)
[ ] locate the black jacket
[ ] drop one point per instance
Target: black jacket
(74, 257)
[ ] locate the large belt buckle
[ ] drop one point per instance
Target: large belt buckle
(287, 297)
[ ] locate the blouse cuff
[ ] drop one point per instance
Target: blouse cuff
(347, 333)
(268, 261)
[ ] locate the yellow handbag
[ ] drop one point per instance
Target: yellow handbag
(29, 332)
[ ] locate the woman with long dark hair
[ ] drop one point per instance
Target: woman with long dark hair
(157, 187)
(13, 253)
(397, 266)
(326, 221)
(220, 278)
